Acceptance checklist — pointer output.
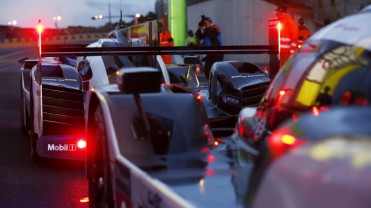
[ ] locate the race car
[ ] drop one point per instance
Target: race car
(150, 148)
(320, 161)
(331, 69)
(52, 107)
(232, 86)
(52, 110)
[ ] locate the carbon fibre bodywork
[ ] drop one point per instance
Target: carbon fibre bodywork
(52, 109)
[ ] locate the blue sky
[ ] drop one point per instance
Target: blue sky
(73, 12)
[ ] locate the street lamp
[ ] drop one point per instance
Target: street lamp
(137, 16)
(13, 22)
(97, 17)
(56, 19)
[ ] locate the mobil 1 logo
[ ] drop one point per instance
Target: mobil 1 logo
(60, 147)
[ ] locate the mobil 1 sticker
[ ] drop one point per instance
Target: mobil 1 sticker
(61, 147)
(230, 99)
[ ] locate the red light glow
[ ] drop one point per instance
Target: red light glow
(84, 200)
(199, 98)
(210, 158)
(81, 144)
(294, 117)
(279, 143)
(205, 149)
(315, 111)
(279, 26)
(39, 28)
(209, 172)
(117, 73)
(288, 139)
(324, 108)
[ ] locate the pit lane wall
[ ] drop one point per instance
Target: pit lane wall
(241, 22)
(75, 38)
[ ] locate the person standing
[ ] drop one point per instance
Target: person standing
(200, 33)
(288, 34)
(166, 40)
(191, 39)
(304, 33)
(213, 37)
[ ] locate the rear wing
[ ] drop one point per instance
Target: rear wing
(143, 39)
(70, 50)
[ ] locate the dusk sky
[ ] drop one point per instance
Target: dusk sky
(73, 12)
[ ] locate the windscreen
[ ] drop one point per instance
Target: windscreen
(338, 76)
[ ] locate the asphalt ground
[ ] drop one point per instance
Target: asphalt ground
(56, 183)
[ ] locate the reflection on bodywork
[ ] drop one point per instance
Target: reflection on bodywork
(326, 74)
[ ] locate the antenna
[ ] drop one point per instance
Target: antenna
(39, 29)
(120, 25)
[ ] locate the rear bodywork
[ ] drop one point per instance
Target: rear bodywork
(53, 109)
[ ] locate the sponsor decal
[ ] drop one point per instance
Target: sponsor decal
(60, 147)
(59, 80)
(247, 76)
(230, 99)
(139, 42)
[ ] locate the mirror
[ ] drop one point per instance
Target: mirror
(22, 60)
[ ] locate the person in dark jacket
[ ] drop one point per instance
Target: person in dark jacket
(212, 38)
(200, 33)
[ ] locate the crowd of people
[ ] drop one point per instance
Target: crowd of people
(292, 36)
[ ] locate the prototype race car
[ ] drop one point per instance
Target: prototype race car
(150, 148)
(232, 86)
(330, 69)
(320, 161)
(52, 110)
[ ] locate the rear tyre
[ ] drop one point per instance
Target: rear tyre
(33, 137)
(22, 111)
(100, 186)
(34, 154)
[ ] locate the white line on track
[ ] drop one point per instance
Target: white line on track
(13, 54)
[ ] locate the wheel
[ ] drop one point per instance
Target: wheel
(100, 187)
(22, 111)
(36, 158)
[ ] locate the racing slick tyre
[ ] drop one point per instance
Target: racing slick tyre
(22, 112)
(34, 154)
(100, 187)
(33, 137)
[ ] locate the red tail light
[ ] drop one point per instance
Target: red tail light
(199, 98)
(279, 143)
(84, 200)
(81, 144)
